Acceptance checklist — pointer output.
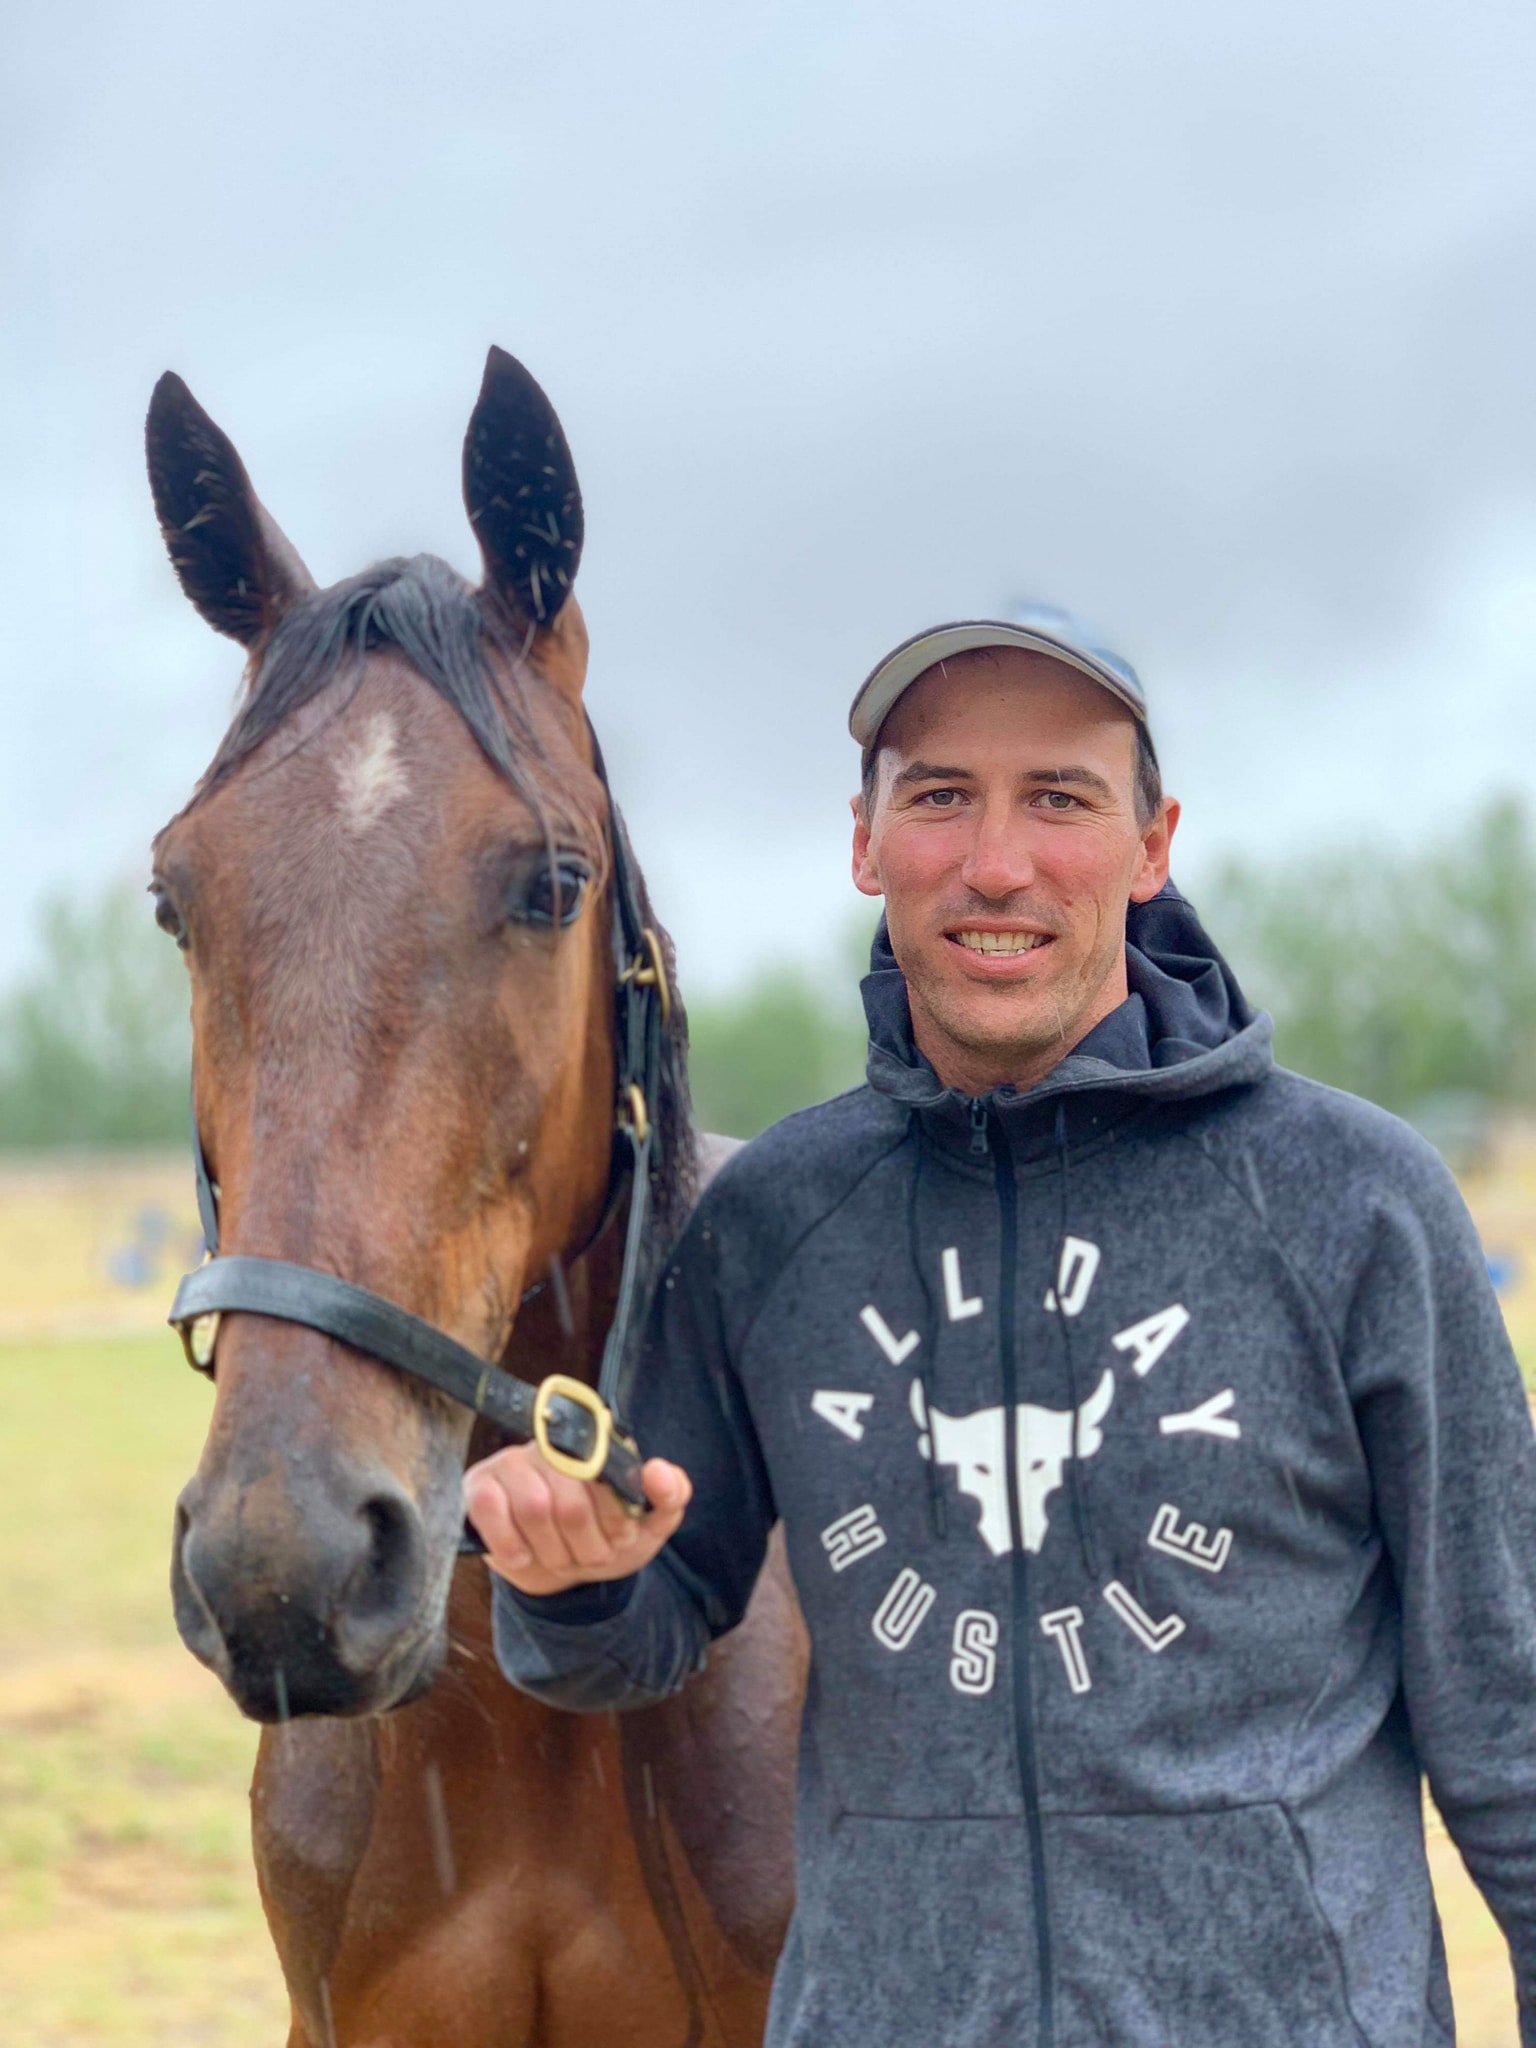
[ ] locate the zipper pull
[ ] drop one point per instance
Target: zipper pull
(978, 1125)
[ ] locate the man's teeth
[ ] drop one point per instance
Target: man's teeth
(1001, 942)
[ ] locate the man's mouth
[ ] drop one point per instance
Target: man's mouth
(998, 942)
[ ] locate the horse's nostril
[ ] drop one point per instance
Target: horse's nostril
(384, 1587)
(194, 1617)
(393, 1532)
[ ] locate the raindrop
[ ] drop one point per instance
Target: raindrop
(1290, 1486)
(437, 1826)
(326, 2020)
(562, 1299)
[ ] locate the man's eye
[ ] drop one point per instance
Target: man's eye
(941, 799)
(555, 894)
(1058, 800)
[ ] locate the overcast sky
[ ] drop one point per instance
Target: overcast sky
(1212, 321)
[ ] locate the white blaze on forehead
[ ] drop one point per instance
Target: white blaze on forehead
(369, 775)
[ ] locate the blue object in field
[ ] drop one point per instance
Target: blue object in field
(1503, 1270)
(153, 1226)
(131, 1266)
(138, 1262)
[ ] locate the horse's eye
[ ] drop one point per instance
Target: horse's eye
(168, 917)
(556, 893)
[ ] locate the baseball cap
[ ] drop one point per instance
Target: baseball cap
(1039, 628)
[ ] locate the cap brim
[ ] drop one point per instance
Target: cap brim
(904, 664)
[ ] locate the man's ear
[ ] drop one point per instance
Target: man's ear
(521, 494)
(1156, 842)
(866, 874)
(230, 555)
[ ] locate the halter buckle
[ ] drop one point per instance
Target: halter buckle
(199, 1334)
(638, 1120)
(582, 1396)
(649, 970)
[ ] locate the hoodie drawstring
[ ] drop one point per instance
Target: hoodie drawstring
(1077, 1484)
(928, 1336)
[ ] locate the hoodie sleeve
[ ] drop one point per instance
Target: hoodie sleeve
(600, 1647)
(1447, 1432)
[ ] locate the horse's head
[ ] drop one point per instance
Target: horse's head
(391, 890)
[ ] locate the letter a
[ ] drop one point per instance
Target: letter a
(845, 1412)
(1150, 1338)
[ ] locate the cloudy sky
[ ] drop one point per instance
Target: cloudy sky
(1213, 322)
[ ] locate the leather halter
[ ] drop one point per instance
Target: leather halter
(576, 1428)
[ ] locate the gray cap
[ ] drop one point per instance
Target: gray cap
(1039, 628)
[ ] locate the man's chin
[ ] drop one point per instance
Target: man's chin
(1002, 1026)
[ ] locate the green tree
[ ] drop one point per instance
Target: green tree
(777, 1047)
(95, 1044)
(793, 1037)
(1406, 980)
(1411, 980)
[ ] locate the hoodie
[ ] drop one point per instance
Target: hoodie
(1160, 1492)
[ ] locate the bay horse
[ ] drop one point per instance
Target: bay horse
(391, 890)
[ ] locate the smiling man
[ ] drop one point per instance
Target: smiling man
(1010, 812)
(1155, 1474)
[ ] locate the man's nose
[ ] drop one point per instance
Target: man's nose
(998, 862)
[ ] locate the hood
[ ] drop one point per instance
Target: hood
(1185, 1029)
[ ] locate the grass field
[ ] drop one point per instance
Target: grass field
(128, 1912)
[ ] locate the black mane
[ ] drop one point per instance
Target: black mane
(424, 610)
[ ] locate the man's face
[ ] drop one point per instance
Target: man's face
(1003, 836)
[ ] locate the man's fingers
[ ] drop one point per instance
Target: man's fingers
(533, 1510)
(488, 1508)
(668, 1489)
(544, 1530)
(577, 1517)
(619, 1526)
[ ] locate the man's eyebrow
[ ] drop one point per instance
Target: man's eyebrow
(1083, 778)
(925, 771)
(1044, 778)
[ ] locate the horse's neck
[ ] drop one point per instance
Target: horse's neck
(563, 1325)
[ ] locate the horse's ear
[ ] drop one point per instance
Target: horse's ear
(232, 558)
(521, 494)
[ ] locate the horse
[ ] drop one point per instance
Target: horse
(392, 889)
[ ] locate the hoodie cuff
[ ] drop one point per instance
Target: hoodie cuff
(577, 1606)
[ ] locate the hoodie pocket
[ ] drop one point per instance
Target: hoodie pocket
(1192, 1930)
(912, 1934)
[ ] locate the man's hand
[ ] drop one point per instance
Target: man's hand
(544, 1532)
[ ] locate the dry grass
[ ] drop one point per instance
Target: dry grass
(128, 1912)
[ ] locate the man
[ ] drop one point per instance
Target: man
(1156, 1475)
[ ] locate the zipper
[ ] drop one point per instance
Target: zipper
(1023, 1604)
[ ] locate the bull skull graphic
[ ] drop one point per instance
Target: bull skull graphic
(976, 1446)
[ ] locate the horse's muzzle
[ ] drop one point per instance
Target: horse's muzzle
(312, 1606)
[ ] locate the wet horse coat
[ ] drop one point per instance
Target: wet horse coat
(392, 891)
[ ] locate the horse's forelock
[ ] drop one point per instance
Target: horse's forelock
(425, 611)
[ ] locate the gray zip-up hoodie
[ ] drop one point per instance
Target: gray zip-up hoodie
(1161, 1495)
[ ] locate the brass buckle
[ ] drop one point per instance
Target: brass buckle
(198, 1337)
(199, 1334)
(633, 1099)
(651, 972)
(585, 1397)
